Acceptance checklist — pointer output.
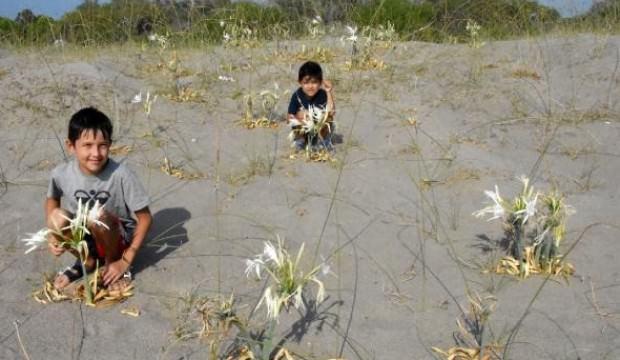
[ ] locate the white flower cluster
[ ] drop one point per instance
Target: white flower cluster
(289, 280)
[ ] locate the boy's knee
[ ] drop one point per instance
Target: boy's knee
(57, 219)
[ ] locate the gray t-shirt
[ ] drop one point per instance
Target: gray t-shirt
(116, 187)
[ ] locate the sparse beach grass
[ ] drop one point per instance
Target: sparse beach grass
(423, 127)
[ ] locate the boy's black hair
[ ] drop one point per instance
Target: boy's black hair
(311, 69)
(89, 119)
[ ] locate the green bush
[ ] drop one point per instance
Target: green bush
(430, 20)
(407, 17)
(109, 23)
(499, 18)
(8, 29)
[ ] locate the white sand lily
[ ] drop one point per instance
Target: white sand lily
(35, 240)
(254, 266)
(226, 78)
(137, 98)
(497, 209)
(352, 32)
(315, 118)
(288, 279)
(94, 214)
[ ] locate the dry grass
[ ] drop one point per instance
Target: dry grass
(319, 54)
(184, 94)
(471, 328)
(119, 149)
(180, 173)
(366, 63)
(525, 73)
(251, 122)
(103, 297)
(508, 265)
(171, 66)
(321, 155)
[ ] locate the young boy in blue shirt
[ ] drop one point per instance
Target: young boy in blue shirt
(313, 91)
(92, 177)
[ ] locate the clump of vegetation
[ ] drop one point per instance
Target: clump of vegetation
(210, 319)
(470, 344)
(288, 283)
(179, 172)
(72, 238)
(319, 54)
(362, 52)
(313, 127)
(537, 252)
(265, 115)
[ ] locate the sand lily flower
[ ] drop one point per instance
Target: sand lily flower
(527, 255)
(288, 280)
(325, 269)
(160, 39)
(35, 240)
(530, 209)
(94, 214)
(226, 78)
(271, 254)
(315, 119)
(272, 304)
(77, 224)
(137, 98)
(352, 33)
(227, 37)
(496, 209)
(254, 266)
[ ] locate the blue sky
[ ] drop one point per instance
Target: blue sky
(568, 7)
(55, 8)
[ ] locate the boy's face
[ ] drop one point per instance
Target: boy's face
(310, 86)
(91, 151)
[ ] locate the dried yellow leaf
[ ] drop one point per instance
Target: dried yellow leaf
(133, 311)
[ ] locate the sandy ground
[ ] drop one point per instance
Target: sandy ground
(394, 220)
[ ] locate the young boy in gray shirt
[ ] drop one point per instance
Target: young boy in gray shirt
(92, 177)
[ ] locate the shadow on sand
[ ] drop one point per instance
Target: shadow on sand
(167, 234)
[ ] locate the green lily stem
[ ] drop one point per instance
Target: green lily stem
(268, 344)
(518, 246)
(89, 292)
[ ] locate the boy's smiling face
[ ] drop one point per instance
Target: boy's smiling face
(310, 86)
(91, 150)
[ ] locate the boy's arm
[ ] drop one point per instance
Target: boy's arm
(294, 110)
(50, 205)
(142, 227)
(118, 268)
(331, 105)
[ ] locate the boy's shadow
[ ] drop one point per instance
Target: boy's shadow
(167, 233)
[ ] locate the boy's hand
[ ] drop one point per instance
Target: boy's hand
(55, 248)
(327, 85)
(114, 271)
